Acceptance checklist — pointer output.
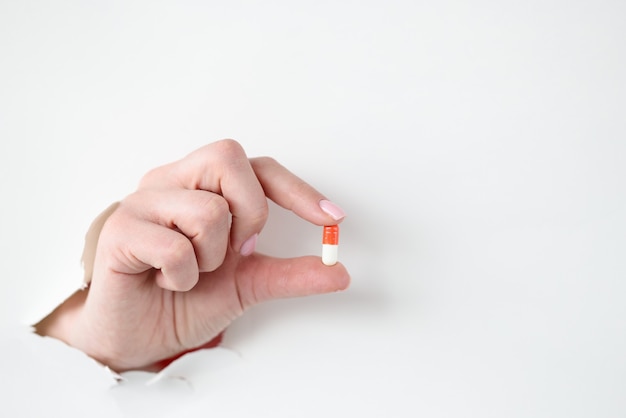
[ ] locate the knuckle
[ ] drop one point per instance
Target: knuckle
(229, 148)
(137, 204)
(130, 201)
(210, 210)
(217, 258)
(117, 223)
(178, 252)
(260, 214)
(153, 177)
(211, 226)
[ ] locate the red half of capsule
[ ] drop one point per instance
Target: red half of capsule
(331, 235)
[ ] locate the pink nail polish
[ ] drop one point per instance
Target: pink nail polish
(331, 209)
(249, 245)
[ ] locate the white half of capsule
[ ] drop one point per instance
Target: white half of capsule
(329, 254)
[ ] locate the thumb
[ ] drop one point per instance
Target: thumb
(261, 278)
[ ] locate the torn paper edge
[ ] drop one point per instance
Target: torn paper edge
(179, 368)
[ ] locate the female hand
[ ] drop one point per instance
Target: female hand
(175, 262)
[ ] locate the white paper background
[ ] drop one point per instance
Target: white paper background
(478, 148)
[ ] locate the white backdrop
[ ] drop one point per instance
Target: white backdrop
(478, 148)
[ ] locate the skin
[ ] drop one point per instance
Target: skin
(172, 271)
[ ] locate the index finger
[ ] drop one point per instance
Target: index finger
(293, 193)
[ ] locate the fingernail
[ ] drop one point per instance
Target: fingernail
(248, 247)
(331, 209)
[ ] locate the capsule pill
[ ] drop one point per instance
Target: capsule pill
(330, 244)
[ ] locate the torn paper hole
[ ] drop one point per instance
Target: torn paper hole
(178, 373)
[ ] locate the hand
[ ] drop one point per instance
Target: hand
(175, 262)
